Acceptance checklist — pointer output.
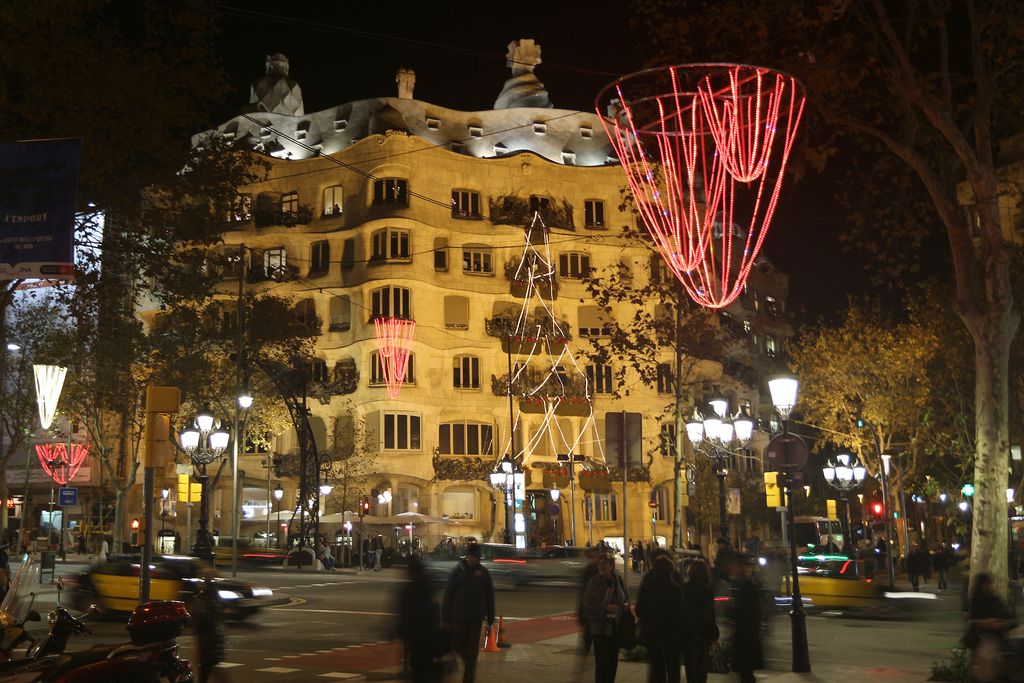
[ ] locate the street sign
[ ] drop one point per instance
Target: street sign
(786, 453)
(68, 495)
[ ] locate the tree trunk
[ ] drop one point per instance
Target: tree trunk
(118, 519)
(993, 335)
(4, 516)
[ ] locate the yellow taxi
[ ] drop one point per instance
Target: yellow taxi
(835, 581)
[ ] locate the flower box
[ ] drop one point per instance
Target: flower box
(556, 478)
(575, 406)
(595, 481)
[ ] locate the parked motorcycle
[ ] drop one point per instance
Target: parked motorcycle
(151, 657)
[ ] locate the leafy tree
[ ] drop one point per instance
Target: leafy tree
(351, 459)
(926, 88)
(639, 343)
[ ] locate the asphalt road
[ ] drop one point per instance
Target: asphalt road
(338, 626)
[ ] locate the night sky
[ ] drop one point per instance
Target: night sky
(346, 51)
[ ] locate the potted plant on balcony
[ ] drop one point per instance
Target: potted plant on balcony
(595, 481)
(556, 477)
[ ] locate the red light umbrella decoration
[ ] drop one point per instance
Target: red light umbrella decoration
(394, 339)
(705, 148)
(58, 464)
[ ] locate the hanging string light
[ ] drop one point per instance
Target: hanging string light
(49, 382)
(58, 463)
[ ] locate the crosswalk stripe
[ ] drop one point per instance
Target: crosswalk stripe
(278, 670)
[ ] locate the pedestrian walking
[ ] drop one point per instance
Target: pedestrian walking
(419, 625)
(207, 615)
(659, 610)
(603, 601)
(989, 622)
(700, 630)
(589, 571)
(746, 615)
(468, 601)
(917, 565)
(636, 554)
(940, 561)
(378, 552)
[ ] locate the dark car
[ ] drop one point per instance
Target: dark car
(509, 568)
(558, 563)
(114, 586)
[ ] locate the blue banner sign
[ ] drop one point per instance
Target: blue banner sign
(68, 495)
(38, 180)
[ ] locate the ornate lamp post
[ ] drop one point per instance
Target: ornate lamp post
(278, 495)
(844, 475)
(204, 443)
(790, 453)
(715, 435)
(503, 479)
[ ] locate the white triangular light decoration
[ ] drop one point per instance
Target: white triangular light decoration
(49, 382)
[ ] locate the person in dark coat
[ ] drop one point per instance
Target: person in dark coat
(940, 562)
(468, 601)
(917, 566)
(659, 609)
(208, 619)
(746, 616)
(419, 624)
(603, 600)
(989, 622)
(699, 628)
(589, 571)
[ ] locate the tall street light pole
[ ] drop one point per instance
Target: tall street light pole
(204, 443)
(887, 510)
(502, 479)
(278, 495)
(571, 460)
(789, 454)
(844, 475)
(242, 404)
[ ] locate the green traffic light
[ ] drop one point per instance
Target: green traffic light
(967, 490)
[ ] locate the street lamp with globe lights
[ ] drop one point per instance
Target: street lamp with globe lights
(204, 443)
(503, 479)
(278, 495)
(715, 434)
(788, 454)
(844, 475)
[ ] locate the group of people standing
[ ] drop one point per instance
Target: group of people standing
(676, 619)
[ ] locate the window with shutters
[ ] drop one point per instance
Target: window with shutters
(593, 213)
(334, 200)
(667, 444)
(592, 323)
(348, 253)
(318, 371)
(456, 312)
(319, 257)
(666, 381)
(465, 204)
(377, 377)
(574, 265)
(599, 376)
(393, 191)
(659, 497)
(466, 372)
(341, 313)
(390, 244)
(465, 438)
(290, 206)
(476, 260)
(390, 302)
(401, 432)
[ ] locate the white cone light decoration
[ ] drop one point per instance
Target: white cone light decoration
(49, 382)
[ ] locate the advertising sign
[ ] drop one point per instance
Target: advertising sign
(38, 180)
(68, 495)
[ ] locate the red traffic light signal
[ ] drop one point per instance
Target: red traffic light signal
(135, 524)
(877, 509)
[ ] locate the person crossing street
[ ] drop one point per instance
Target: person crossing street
(468, 602)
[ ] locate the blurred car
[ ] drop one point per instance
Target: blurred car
(114, 586)
(557, 563)
(509, 567)
(836, 582)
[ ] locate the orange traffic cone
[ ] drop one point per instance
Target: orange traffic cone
(490, 642)
(502, 643)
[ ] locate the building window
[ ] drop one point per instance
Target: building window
(401, 432)
(341, 313)
(770, 346)
(391, 191)
(275, 262)
(319, 257)
(592, 323)
(574, 265)
(477, 259)
(659, 497)
(771, 306)
(333, 201)
(593, 213)
(390, 302)
(318, 371)
(539, 127)
(747, 327)
(290, 206)
(569, 158)
(602, 507)
(475, 131)
(541, 205)
(667, 445)
(305, 315)
(459, 147)
(432, 123)
(228, 322)
(456, 312)
(465, 438)
(599, 375)
(465, 204)
(586, 133)
(666, 382)
(348, 253)
(466, 372)
(390, 244)
(440, 254)
(377, 370)
(240, 209)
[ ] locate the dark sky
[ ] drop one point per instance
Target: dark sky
(344, 51)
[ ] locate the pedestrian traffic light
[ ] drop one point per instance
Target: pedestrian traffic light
(136, 524)
(876, 509)
(364, 506)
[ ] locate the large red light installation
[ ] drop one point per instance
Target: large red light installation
(705, 149)
(58, 464)
(394, 342)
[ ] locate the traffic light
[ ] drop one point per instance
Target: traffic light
(876, 509)
(364, 506)
(136, 524)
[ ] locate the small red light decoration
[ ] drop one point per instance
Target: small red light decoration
(701, 148)
(394, 339)
(56, 462)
